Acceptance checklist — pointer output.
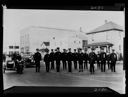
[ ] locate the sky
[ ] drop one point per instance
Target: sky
(14, 20)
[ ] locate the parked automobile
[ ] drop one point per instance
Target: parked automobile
(20, 66)
(9, 64)
(28, 60)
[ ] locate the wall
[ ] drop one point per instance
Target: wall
(63, 38)
(113, 36)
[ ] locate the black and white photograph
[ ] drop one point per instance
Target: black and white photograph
(63, 48)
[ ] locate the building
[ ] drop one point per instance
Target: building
(109, 35)
(12, 49)
(36, 37)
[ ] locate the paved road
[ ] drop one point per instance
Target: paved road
(114, 80)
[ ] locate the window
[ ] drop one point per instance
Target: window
(10, 47)
(16, 47)
(119, 47)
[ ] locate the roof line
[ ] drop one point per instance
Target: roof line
(104, 31)
(54, 28)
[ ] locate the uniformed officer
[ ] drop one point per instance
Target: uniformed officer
(98, 60)
(85, 59)
(47, 61)
(108, 60)
(58, 59)
(92, 59)
(69, 56)
(103, 60)
(75, 58)
(52, 58)
(63, 56)
(113, 58)
(80, 60)
(4, 57)
(37, 58)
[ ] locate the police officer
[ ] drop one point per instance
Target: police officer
(37, 58)
(98, 60)
(92, 59)
(52, 58)
(47, 61)
(108, 60)
(58, 59)
(103, 60)
(85, 56)
(113, 58)
(80, 60)
(69, 57)
(4, 57)
(63, 56)
(75, 58)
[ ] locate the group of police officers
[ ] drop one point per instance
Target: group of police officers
(54, 59)
(76, 58)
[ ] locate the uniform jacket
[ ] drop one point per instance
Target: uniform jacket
(52, 54)
(69, 56)
(75, 56)
(64, 56)
(47, 58)
(85, 56)
(103, 56)
(37, 56)
(92, 57)
(57, 56)
(113, 57)
(80, 57)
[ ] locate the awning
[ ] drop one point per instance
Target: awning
(101, 44)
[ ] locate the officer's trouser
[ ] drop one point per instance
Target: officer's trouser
(98, 64)
(103, 65)
(91, 67)
(85, 64)
(80, 66)
(58, 66)
(37, 66)
(70, 66)
(108, 64)
(64, 64)
(113, 66)
(47, 66)
(52, 64)
(75, 64)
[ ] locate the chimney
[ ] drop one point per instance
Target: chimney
(80, 29)
(106, 21)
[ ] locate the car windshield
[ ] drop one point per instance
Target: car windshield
(8, 58)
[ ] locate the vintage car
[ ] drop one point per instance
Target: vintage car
(9, 64)
(28, 61)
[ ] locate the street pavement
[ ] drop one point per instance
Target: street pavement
(113, 80)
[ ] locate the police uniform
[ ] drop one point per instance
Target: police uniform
(52, 59)
(63, 56)
(103, 61)
(37, 58)
(113, 58)
(75, 59)
(80, 60)
(85, 56)
(47, 61)
(92, 59)
(58, 59)
(108, 61)
(98, 61)
(69, 56)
